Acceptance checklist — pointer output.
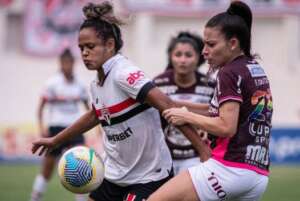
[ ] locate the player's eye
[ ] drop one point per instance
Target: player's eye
(210, 44)
(189, 54)
(178, 54)
(90, 46)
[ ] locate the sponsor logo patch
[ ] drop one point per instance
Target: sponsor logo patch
(120, 136)
(133, 77)
(256, 70)
(217, 187)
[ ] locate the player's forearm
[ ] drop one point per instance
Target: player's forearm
(83, 124)
(215, 126)
(198, 108)
(160, 101)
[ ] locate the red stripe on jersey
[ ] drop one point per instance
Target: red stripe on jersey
(130, 197)
(98, 113)
(121, 106)
(118, 107)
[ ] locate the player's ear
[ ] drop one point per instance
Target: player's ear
(234, 43)
(110, 44)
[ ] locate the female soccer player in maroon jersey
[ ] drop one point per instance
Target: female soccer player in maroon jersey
(183, 82)
(241, 112)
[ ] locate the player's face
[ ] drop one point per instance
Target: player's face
(67, 65)
(217, 50)
(94, 51)
(184, 58)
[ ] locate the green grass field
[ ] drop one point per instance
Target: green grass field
(16, 182)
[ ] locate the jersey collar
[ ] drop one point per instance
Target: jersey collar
(107, 66)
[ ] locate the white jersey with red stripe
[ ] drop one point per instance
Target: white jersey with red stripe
(134, 143)
(63, 99)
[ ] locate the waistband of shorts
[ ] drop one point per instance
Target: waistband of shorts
(242, 165)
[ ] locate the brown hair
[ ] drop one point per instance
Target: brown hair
(186, 37)
(101, 18)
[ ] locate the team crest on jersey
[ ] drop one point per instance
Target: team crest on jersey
(256, 70)
(133, 77)
(105, 114)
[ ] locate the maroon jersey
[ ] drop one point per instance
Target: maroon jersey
(200, 92)
(243, 80)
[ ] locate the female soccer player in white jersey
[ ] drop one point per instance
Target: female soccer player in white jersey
(137, 158)
(241, 113)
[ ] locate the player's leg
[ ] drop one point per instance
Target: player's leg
(179, 188)
(260, 183)
(41, 180)
(48, 165)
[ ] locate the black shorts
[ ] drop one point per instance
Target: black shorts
(54, 130)
(108, 191)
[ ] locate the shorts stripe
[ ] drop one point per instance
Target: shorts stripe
(130, 197)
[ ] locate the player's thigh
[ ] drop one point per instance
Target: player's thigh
(179, 188)
(255, 194)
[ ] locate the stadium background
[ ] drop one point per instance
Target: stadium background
(33, 32)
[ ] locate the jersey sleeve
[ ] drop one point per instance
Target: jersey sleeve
(229, 87)
(48, 91)
(133, 81)
(84, 95)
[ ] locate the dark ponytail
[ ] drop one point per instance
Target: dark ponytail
(235, 22)
(101, 17)
(241, 9)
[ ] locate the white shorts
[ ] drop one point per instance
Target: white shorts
(215, 182)
(180, 165)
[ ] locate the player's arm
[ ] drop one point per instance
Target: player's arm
(160, 101)
(199, 108)
(83, 124)
(86, 104)
(42, 128)
(225, 125)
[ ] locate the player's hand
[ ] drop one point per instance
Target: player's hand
(176, 116)
(44, 144)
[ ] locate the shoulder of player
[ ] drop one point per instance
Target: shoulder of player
(238, 66)
(54, 80)
(78, 81)
(164, 77)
